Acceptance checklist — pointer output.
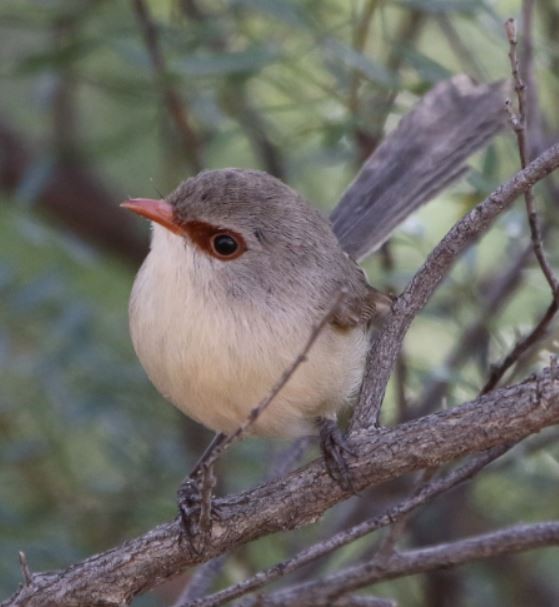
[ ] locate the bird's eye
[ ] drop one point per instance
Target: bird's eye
(224, 245)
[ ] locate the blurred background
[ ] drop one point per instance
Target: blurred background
(103, 100)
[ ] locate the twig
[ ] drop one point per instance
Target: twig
(288, 458)
(498, 289)
(502, 416)
(201, 581)
(519, 125)
(393, 515)
(518, 122)
(498, 371)
(114, 577)
(218, 448)
(24, 567)
(257, 411)
(526, 65)
(387, 342)
(514, 539)
(175, 106)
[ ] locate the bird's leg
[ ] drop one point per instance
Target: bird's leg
(194, 496)
(335, 450)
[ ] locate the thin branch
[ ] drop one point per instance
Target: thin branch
(257, 411)
(113, 578)
(518, 122)
(24, 567)
(497, 290)
(518, 538)
(387, 342)
(501, 417)
(393, 515)
(498, 371)
(189, 139)
(201, 581)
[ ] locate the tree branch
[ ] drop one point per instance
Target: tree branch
(113, 578)
(320, 549)
(175, 106)
(387, 343)
(519, 125)
(505, 541)
(116, 576)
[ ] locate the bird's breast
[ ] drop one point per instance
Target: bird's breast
(216, 359)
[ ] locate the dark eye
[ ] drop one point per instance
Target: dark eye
(224, 245)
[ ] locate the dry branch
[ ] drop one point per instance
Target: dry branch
(393, 515)
(501, 417)
(322, 592)
(387, 344)
(176, 107)
(116, 576)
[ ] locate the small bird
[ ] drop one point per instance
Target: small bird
(241, 267)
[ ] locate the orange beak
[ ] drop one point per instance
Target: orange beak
(159, 211)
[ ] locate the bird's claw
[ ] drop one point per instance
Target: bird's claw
(335, 450)
(196, 508)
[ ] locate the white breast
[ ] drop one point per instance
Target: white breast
(216, 359)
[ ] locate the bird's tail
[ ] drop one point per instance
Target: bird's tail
(424, 154)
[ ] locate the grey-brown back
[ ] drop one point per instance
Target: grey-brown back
(423, 155)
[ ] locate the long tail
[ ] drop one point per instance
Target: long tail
(424, 154)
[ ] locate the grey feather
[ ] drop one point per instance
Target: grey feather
(424, 154)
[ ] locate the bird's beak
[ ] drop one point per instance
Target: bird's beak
(159, 211)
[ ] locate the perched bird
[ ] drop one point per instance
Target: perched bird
(241, 267)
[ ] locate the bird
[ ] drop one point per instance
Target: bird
(241, 267)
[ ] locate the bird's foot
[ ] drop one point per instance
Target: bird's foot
(335, 450)
(196, 507)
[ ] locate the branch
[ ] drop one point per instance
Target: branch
(116, 576)
(113, 578)
(387, 343)
(175, 106)
(325, 547)
(519, 125)
(235, 97)
(496, 290)
(521, 347)
(505, 541)
(201, 581)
